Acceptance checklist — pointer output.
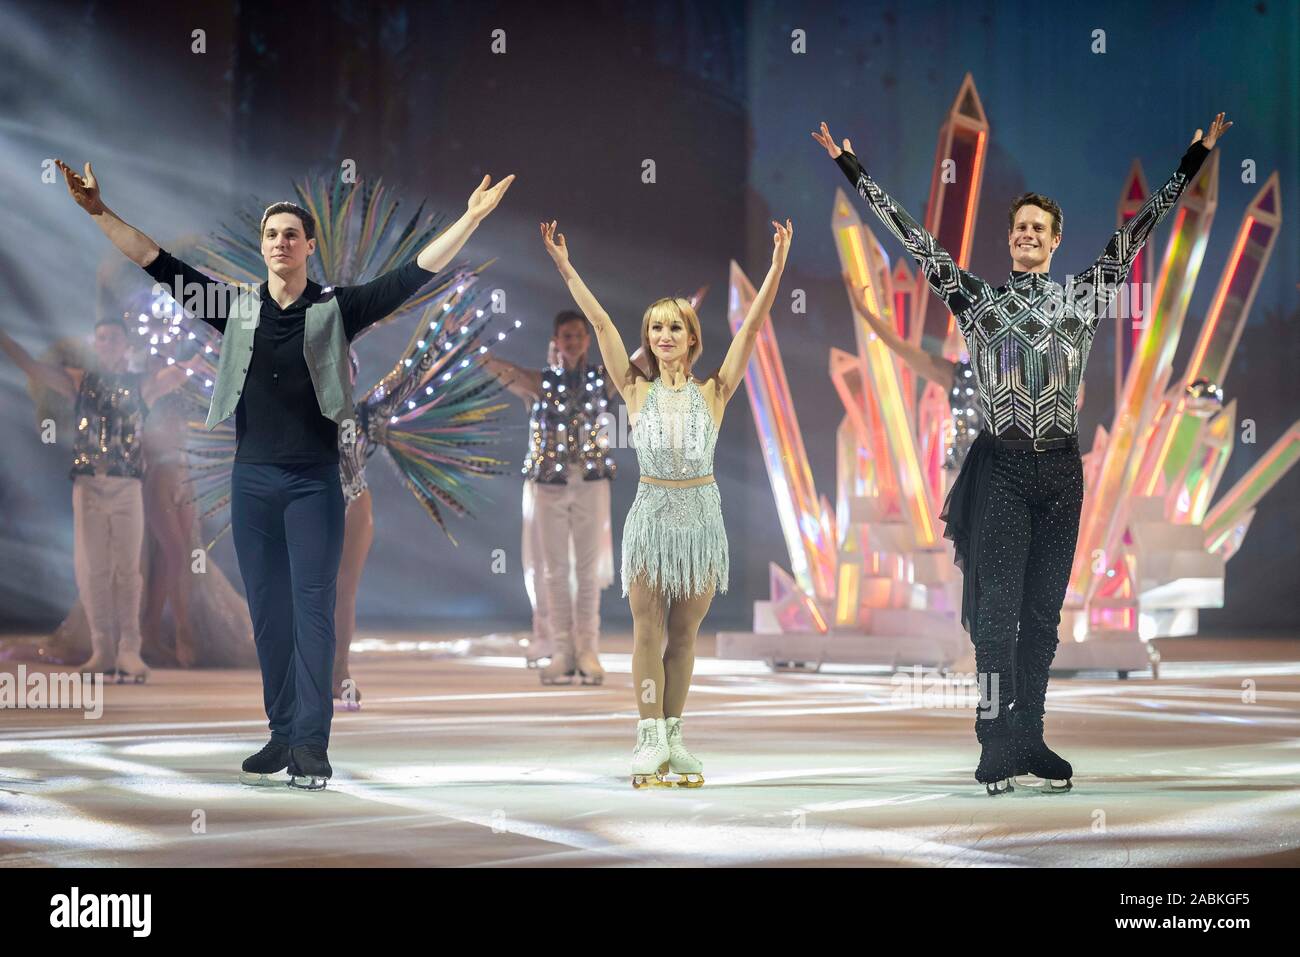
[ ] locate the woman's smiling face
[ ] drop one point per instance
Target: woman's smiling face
(670, 339)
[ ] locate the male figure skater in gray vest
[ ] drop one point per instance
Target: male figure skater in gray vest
(283, 374)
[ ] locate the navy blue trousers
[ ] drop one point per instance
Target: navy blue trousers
(287, 523)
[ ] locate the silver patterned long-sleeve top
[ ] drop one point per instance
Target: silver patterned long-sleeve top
(1029, 338)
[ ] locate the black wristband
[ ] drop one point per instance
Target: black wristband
(849, 163)
(1192, 159)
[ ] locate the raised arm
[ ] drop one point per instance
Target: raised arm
(525, 383)
(1097, 285)
(732, 371)
(958, 288)
(444, 247)
(164, 268)
(48, 374)
(927, 366)
(135, 245)
(612, 350)
(371, 302)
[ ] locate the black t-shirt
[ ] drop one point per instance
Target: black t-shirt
(278, 419)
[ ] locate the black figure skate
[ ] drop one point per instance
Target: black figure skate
(1034, 757)
(997, 764)
(272, 759)
(309, 768)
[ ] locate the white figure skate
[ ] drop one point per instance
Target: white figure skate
(561, 669)
(650, 759)
(589, 669)
(98, 664)
(130, 666)
(688, 768)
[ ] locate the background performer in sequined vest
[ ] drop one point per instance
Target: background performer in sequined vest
(111, 403)
(567, 476)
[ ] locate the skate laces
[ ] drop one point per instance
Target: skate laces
(647, 738)
(675, 742)
(313, 751)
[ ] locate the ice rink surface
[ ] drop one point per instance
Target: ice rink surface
(465, 760)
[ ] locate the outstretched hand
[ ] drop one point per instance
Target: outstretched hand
(484, 199)
(857, 294)
(555, 245)
(1217, 129)
(825, 139)
(781, 243)
(83, 189)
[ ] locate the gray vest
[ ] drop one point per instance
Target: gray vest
(324, 346)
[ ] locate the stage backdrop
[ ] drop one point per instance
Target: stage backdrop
(580, 98)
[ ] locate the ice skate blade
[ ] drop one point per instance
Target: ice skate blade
(307, 782)
(998, 788)
(561, 680)
(1044, 785)
(640, 781)
(254, 780)
(688, 780)
(593, 679)
(655, 780)
(125, 679)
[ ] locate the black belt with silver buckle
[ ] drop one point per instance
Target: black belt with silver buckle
(1038, 445)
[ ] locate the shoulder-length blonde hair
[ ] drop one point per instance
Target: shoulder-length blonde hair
(665, 310)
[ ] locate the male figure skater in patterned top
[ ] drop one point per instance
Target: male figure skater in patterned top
(1013, 512)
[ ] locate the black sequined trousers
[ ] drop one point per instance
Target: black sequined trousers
(1031, 523)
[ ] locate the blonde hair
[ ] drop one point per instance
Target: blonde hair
(665, 310)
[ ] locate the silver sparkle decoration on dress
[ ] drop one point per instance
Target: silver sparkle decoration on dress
(967, 416)
(565, 428)
(675, 537)
(353, 456)
(109, 417)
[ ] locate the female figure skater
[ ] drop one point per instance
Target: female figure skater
(674, 543)
(358, 536)
(170, 519)
(955, 378)
(210, 623)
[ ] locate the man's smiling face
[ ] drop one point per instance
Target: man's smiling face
(285, 245)
(1030, 241)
